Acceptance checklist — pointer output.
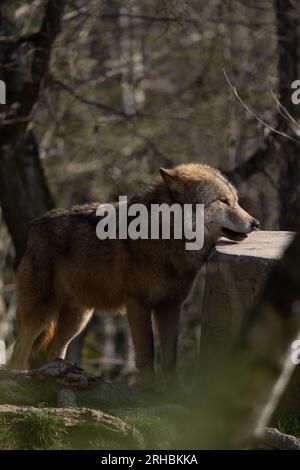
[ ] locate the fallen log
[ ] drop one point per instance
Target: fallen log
(274, 439)
(61, 383)
(81, 424)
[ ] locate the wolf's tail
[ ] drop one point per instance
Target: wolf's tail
(44, 339)
(38, 354)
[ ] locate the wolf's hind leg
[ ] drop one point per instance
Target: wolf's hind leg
(71, 322)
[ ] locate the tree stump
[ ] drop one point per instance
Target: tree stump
(236, 273)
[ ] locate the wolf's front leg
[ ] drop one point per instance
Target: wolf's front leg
(139, 318)
(167, 316)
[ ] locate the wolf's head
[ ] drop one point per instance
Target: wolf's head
(201, 184)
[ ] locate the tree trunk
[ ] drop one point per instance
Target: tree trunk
(24, 194)
(283, 151)
(288, 70)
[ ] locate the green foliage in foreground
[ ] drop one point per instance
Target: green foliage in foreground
(289, 426)
(35, 430)
(159, 431)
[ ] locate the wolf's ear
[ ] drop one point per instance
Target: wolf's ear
(172, 180)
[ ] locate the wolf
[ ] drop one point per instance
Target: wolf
(67, 273)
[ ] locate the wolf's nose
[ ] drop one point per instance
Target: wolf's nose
(255, 224)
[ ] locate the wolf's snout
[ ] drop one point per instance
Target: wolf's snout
(255, 224)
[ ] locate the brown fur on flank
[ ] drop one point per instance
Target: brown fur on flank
(67, 272)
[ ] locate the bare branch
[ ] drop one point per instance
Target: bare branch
(284, 112)
(119, 113)
(253, 114)
(15, 41)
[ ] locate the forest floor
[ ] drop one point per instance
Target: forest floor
(59, 407)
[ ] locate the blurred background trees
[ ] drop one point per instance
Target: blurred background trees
(102, 93)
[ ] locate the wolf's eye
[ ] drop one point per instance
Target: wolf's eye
(224, 200)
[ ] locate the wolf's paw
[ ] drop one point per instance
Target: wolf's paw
(146, 379)
(64, 372)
